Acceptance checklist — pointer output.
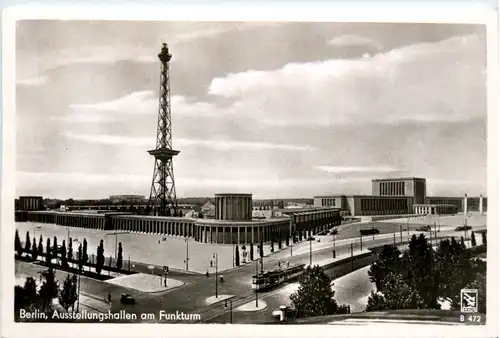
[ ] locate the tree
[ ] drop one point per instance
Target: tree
(34, 250)
(100, 258)
(119, 259)
(180, 213)
(280, 244)
(64, 260)
(272, 245)
(80, 258)
(49, 289)
(287, 241)
(168, 213)
(55, 250)
(70, 249)
(251, 251)
(17, 244)
(85, 256)
(40, 246)
(315, 295)
(26, 297)
(48, 254)
(421, 271)
(27, 243)
(68, 294)
(456, 268)
(300, 235)
(376, 302)
(399, 295)
(237, 257)
(483, 236)
(388, 261)
(473, 239)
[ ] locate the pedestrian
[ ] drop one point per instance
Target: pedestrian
(207, 274)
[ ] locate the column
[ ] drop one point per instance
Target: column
(481, 204)
(238, 242)
(253, 237)
(217, 234)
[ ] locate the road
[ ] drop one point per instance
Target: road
(191, 298)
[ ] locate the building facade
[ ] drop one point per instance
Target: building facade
(366, 205)
(435, 209)
(405, 186)
(397, 196)
(30, 203)
(233, 207)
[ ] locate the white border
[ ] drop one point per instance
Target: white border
(478, 14)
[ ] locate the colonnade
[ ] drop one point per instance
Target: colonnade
(203, 230)
(86, 221)
(224, 232)
(176, 226)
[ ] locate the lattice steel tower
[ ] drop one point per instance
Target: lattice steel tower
(162, 198)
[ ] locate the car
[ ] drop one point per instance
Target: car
(127, 299)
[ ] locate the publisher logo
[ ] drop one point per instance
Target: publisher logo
(468, 300)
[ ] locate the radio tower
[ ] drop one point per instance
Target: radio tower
(162, 198)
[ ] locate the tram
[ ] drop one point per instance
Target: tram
(270, 279)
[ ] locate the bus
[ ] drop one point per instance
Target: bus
(273, 278)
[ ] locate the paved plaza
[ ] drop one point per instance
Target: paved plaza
(152, 249)
(146, 283)
(173, 250)
(474, 219)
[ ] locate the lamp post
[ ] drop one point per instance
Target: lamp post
(352, 259)
(187, 253)
(373, 232)
(230, 309)
(116, 239)
(310, 252)
(78, 299)
(333, 249)
(256, 293)
(408, 225)
(216, 256)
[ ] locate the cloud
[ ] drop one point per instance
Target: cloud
(239, 145)
(350, 40)
(142, 102)
(64, 178)
(222, 145)
(112, 140)
(83, 118)
(147, 102)
(349, 170)
(422, 82)
(32, 82)
(67, 178)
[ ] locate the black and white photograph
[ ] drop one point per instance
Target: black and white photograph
(250, 172)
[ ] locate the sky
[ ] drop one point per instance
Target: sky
(279, 110)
